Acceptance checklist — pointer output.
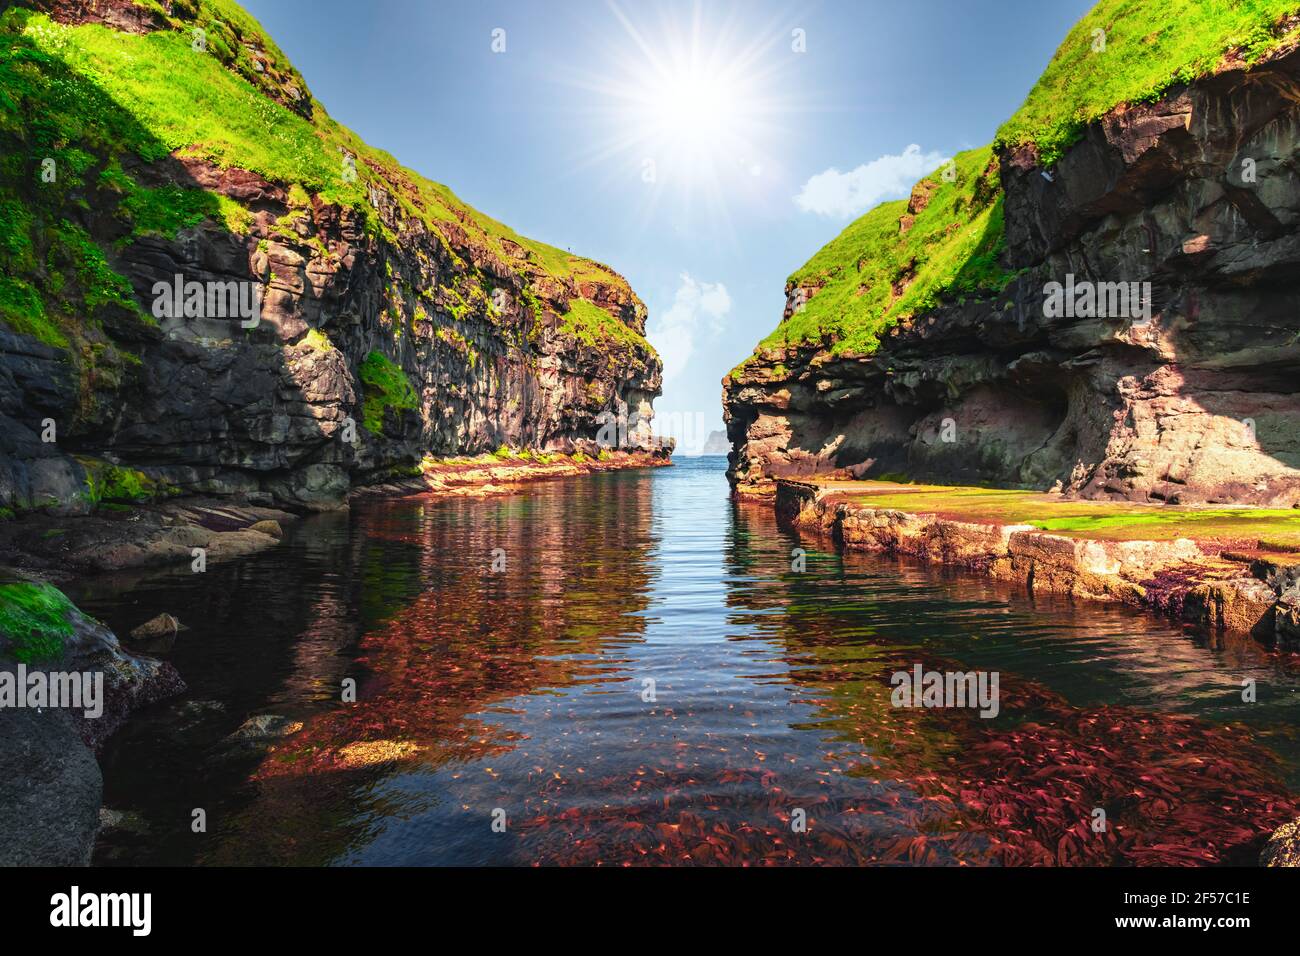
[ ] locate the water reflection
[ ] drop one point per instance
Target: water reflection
(648, 681)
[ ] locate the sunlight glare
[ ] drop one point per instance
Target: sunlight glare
(687, 102)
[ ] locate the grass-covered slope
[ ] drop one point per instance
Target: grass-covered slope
(90, 97)
(877, 272)
(1131, 51)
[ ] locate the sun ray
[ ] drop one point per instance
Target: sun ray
(695, 103)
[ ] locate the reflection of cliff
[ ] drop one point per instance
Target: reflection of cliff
(1017, 789)
(446, 639)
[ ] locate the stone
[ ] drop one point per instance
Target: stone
(160, 628)
(265, 727)
(50, 790)
(268, 527)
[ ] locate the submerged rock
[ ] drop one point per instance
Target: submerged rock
(158, 634)
(1283, 847)
(266, 727)
(50, 784)
(124, 820)
(258, 734)
(268, 527)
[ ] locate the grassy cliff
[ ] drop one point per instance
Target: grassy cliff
(93, 100)
(892, 263)
(1133, 51)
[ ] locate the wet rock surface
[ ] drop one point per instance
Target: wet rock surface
(1179, 578)
(50, 790)
(60, 546)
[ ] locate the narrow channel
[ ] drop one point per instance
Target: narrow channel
(650, 676)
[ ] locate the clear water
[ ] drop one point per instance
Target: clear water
(507, 717)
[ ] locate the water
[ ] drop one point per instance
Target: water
(648, 681)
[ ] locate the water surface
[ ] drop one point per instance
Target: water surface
(649, 680)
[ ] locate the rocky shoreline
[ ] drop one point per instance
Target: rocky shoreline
(1248, 590)
(51, 787)
(57, 547)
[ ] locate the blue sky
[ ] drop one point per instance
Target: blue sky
(691, 146)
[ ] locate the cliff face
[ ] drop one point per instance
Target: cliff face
(1189, 392)
(161, 148)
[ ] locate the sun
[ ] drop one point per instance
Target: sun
(689, 104)
(694, 107)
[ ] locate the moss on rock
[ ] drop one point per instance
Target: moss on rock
(35, 621)
(385, 386)
(108, 484)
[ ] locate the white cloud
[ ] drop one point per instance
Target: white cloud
(845, 195)
(697, 310)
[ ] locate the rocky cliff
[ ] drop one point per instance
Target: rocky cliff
(1106, 301)
(208, 285)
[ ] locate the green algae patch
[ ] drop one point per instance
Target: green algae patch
(385, 386)
(36, 619)
(1097, 520)
(1133, 51)
(1184, 523)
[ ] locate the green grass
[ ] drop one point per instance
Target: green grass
(1101, 520)
(385, 386)
(161, 211)
(183, 100)
(23, 311)
(1149, 47)
(57, 282)
(36, 620)
(870, 277)
(592, 325)
(1184, 522)
(74, 252)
